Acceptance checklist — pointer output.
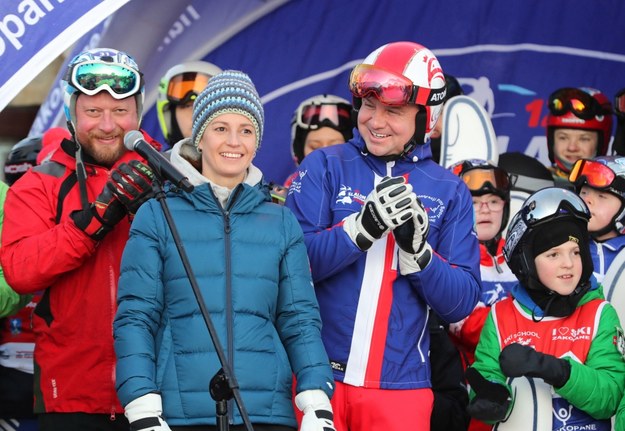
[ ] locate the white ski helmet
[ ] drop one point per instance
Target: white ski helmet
(95, 70)
(181, 84)
(401, 73)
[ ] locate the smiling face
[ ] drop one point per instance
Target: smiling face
(571, 145)
(386, 129)
(560, 268)
(228, 146)
(101, 124)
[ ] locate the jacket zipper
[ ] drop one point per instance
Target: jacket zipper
(229, 312)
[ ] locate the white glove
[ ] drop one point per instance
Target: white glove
(145, 414)
(389, 205)
(315, 405)
(410, 263)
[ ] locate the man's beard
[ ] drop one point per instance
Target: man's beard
(104, 155)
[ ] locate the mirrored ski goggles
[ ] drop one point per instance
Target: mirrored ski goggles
(479, 179)
(619, 103)
(553, 202)
(391, 88)
(186, 86)
(91, 78)
(580, 103)
(314, 115)
(593, 173)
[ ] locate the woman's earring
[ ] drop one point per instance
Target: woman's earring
(199, 150)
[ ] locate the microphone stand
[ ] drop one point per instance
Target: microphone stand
(223, 386)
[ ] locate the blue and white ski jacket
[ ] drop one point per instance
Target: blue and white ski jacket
(603, 254)
(375, 319)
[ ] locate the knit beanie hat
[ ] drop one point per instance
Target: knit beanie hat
(229, 92)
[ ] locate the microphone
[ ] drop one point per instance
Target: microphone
(134, 141)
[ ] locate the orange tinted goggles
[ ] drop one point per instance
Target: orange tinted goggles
(591, 172)
(482, 180)
(185, 87)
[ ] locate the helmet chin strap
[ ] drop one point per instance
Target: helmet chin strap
(419, 134)
(81, 172)
(417, 139)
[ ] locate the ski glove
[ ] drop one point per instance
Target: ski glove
(145, 414)
(411, 235)
(315, 405)
(414, 251)
(101, 216)
(519, 360)
(131, 183)
(386, 207)
(491, 401)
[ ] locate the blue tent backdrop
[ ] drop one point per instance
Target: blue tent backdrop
(507, 55)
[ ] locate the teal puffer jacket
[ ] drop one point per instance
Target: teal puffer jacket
(251, 265)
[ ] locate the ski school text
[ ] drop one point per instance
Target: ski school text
(13, 26)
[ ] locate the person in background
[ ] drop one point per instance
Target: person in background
(389, 234)
(618, 144)
(318, 122)
(177, 90)
(21, 157)
(579, 125)
(249, 259)
(17, 340)
(490, 189)
(65, 226)
(556, 326)
(600, 182)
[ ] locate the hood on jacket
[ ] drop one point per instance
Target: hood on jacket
(188, 160)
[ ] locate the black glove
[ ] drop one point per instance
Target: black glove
(101, 216)
(491, 401)
(519, 360)
(386, 207)
(411, 236)
(131, 183)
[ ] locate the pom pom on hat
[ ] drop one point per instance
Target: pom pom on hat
(229, 92)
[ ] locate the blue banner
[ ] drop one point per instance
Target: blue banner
(33, 33)
(509, 56)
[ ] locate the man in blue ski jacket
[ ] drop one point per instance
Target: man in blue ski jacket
(390, 236)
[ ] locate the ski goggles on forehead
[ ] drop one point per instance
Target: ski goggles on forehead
(186, 86)
(484, 179)
(576, 101)
(91, 78)
(595, 174)
(315, 115)
(390, 88)
(553, 204)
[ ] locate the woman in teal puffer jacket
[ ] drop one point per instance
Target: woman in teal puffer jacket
(249, 259)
